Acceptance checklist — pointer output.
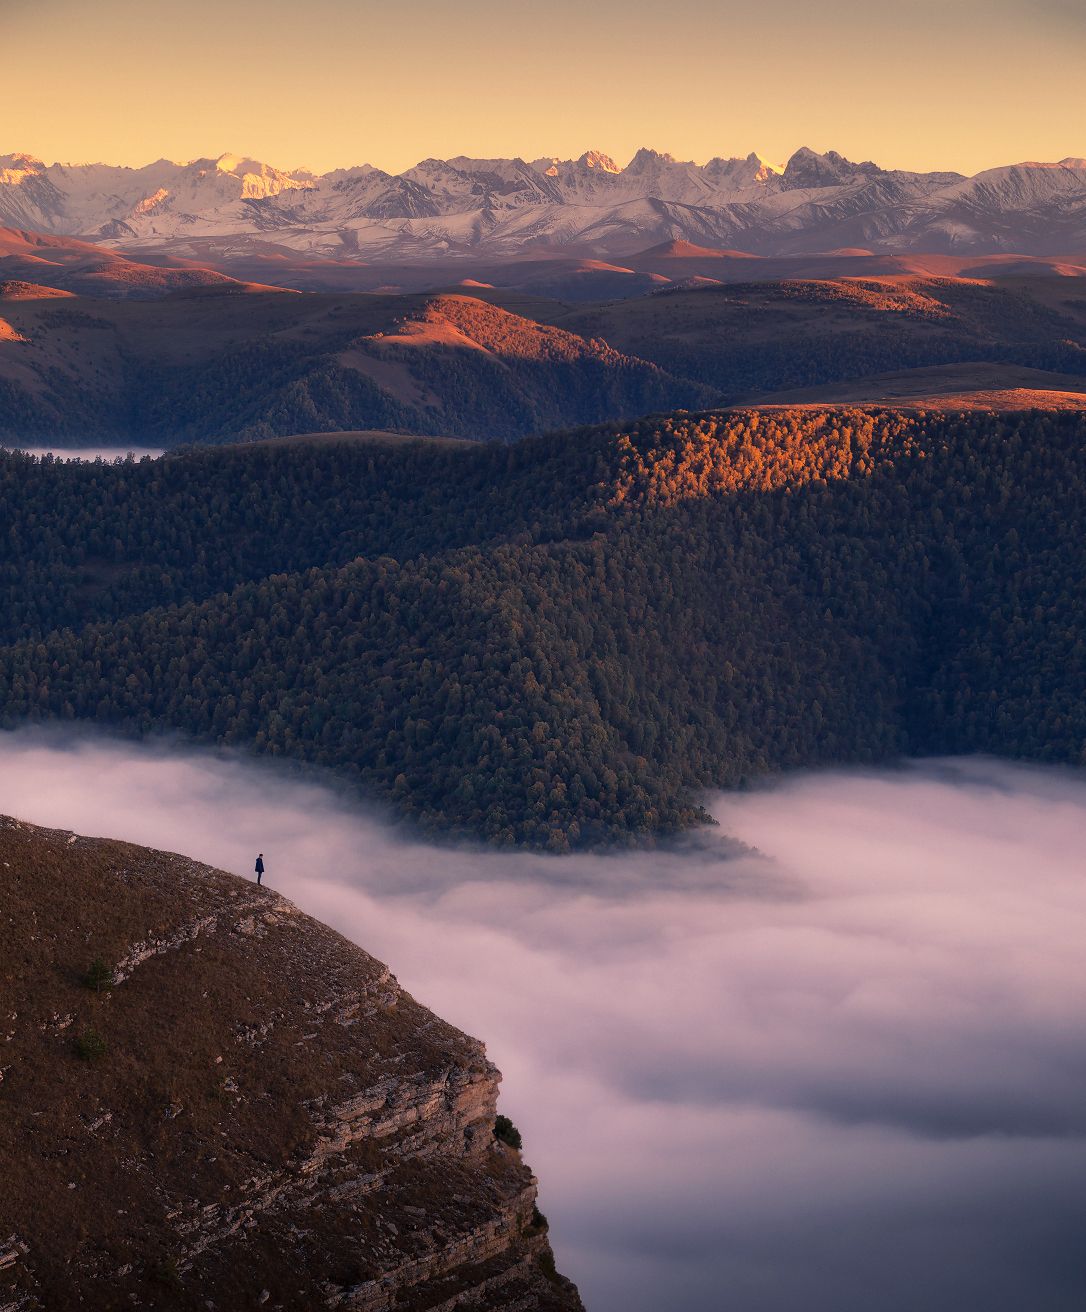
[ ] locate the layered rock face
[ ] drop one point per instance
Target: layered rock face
(242, 1110)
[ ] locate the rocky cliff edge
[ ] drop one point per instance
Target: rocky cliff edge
(211, 1101)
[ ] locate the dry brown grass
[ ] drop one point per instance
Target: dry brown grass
(223, 1053)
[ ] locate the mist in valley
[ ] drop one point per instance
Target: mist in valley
(89, 453)
(843, 1070)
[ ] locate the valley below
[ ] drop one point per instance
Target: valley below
(836, 1062)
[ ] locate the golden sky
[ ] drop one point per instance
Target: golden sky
(956, 84)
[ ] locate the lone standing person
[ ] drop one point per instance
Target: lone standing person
(260, 867)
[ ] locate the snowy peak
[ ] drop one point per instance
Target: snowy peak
(588, 206)
(105, 201)
(467, 184)
(763, 169)
(596, 159)
(259, 180)
(647, 159)
(737, 175)
(808, 169)
(16, 170)
(151, 203)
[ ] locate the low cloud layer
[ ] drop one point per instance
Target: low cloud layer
(845, 1074)
(108, 453)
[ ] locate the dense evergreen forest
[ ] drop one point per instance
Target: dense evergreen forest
(560, 642)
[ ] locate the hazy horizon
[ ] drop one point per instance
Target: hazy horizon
(978, 83)
(622, 162)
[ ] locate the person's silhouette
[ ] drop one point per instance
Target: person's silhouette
(260, 867)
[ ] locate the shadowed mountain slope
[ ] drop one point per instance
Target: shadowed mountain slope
(216, 366)
(212, 365)
(752, 339)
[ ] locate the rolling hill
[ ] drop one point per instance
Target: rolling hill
(224, 364)
(753, 340)
(234, 362)
(82, 268)
(561, 642)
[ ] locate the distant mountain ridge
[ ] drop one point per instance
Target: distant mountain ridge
(505, 208)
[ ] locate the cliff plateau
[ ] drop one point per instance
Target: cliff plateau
(209, 1100)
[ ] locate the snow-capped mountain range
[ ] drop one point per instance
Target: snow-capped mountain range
(503, 208)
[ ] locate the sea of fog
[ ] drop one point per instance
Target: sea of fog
(844, 1074)
(109, 453)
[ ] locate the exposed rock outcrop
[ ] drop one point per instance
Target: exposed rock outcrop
(248, 1112)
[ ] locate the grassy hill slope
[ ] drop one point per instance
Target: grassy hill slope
(217, 366)
(752, 339)
(209, 1097)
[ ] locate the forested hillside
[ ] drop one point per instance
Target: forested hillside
(560, 642)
